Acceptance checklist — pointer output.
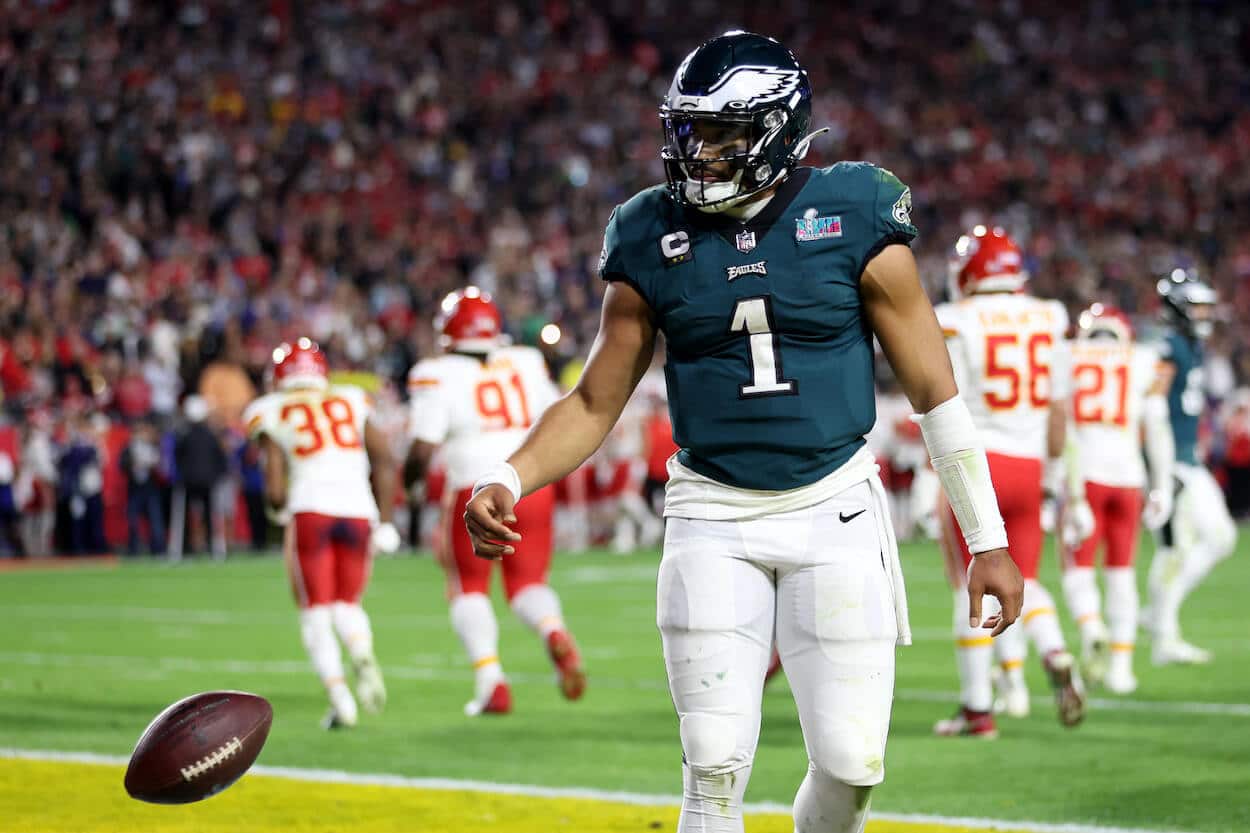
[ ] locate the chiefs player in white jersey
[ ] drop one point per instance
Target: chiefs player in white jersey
(1007, 349)
(330, 480)
(1118, 397)
(476, 402)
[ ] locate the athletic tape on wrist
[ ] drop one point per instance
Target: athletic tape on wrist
(503, 474)
(959, 461)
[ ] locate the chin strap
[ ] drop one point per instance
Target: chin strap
(804, 144)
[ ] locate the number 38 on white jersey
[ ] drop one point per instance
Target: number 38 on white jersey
(1010, 361)
(322, 431)
(477, 411)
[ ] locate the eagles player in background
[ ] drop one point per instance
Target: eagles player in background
(768, 281)
(1200, 532)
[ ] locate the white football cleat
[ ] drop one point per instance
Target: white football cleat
(336, 719)
(1176, 651)
(1011, 699)
(1120, 681)
(343, 712)
(1096, 654)
(369, 686)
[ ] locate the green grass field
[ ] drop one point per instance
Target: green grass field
(90, 655)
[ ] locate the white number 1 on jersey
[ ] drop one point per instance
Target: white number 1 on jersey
(754, 316)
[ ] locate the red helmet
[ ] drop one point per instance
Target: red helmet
(468, 320)
(1104, 321)
(300, 365)
(986, 260)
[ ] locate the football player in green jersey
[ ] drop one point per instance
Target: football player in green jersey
(1200, 532)
(769, 280)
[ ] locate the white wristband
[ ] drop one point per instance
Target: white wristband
(505, 476)
(959, 461)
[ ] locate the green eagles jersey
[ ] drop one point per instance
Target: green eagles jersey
(770, 364)
(1186, 398)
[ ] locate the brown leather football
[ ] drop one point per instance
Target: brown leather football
(198, 746)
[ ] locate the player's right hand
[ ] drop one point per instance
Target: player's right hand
(487, 518)
(1158, 509)
(279, 516)
(993, 573)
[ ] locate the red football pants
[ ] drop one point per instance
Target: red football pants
(1117, 513)
(327, 558)
(527, 565)
(1018, 485)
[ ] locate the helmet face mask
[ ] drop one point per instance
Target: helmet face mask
(734, 121)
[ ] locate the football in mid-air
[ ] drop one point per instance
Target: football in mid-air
(198, 746)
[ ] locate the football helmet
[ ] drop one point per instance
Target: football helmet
(1188, 302)
(469, 322)
(1103, 321)
(299, 365)
(985, 260)
(735, 120)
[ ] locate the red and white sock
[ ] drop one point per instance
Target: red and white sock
(1122, 606)
(317, 631)
(973, 656)
(1080, 589)
(351, 623)
(1040, 620)
(538, 607)
(474, 621)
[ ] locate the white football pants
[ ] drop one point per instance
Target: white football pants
(1199, 535)
(816, 579)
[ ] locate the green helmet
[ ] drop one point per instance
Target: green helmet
(739, 91)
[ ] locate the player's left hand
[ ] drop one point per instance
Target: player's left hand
(487, 517)
(1078, 523)
(385, 538)
(1049, 513)
(993, 573)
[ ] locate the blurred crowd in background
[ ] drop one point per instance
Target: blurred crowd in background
(184, 185)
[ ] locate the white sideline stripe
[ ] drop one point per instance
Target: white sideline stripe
(334, 776)
(453, 671)
(193, 616)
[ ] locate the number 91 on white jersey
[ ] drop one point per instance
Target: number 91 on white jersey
(477, 409)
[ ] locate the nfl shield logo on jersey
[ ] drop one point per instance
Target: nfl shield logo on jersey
(746, 241)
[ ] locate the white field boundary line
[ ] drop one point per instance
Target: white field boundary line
(151, 665)
(334, 776)
(1227, 639)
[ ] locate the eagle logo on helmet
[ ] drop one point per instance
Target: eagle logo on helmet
(735, 120)
(750, 85)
